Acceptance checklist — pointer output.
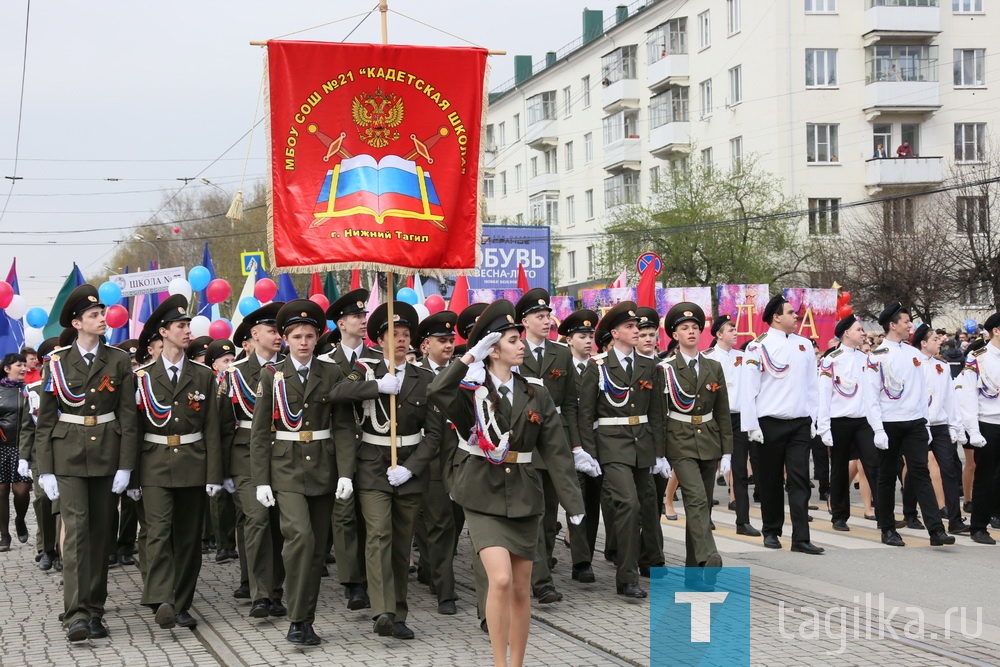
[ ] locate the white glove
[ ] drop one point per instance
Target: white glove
(120, 482)
(756, 435)
(958, 436)
(977, 440)
(49, 485)
(576, 519)
(476, 373)
(265, 496)
(482, 349)
(389, 384)
(812, 430)
(726, 464)
(930, 438)
(134, 494)
(595, 471)
(229, 485)
(398, 475)
(345, 488)
(660, 465)
(827, 438)
(23, 469)
(582, 461)
(213, 490)
(881, 440)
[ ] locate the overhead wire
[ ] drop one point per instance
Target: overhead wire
(20, 112)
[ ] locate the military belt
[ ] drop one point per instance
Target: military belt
(172, 440)
(88, 420)
(512, 456)
(691, 419)
(302, 436)
(634, 420)
(244, 423)
(558, 409)
(385, 441)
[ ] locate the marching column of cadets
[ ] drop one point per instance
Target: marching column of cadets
(160, 435)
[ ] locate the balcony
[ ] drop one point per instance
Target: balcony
(542, 134)
(623, 155)
(670, 139)
(892, 19)
(896, 172)
(490, 158)
(621, 94)
(543, 183)
(886, 97)
(668, 71)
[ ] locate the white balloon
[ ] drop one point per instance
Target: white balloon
(422, 311)
(180, 286)
(199, 325)
(17, 307)
(33, 337)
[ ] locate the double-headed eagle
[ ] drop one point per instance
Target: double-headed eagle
(376, 114)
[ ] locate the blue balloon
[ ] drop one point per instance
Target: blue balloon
(109, 293)
(407, 295)
(199, 277)
(36, 317)
(970, 326)
(248, 304)
(330, 325)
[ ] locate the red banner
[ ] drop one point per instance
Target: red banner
(375, 153)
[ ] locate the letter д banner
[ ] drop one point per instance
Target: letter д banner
(699, 617)
(375, 153)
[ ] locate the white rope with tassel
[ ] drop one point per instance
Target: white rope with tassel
(235, 212)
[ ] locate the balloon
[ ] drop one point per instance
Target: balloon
(330, 325)
(846, 295)
(109, 293)
(199, 277)
(199, 326)
(36, 317)
(6, 293)
(218, 291)
(220, 329)
(17, 307)
(180, 286)
(33, 337)
(116, 316)
(434, 303)
(320, 299)
(247, 305)
(407, 295)
(970, 326)
(844, 311)
(422, 311)
(842, 299)
(265, 290)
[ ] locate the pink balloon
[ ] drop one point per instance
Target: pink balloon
(434, 303)
(6, 293)
(219, 329)
(320, 299)
(265, 290)
(116, 316)
(218, 291)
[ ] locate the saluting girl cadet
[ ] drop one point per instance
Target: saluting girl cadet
(503, 421)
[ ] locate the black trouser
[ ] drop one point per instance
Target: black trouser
(853, 439)
(907, 439)
(124, 526)
(742, 450)
(583, 538)
(944, 451)
(821, 464)
(785, 452)
(987, 460)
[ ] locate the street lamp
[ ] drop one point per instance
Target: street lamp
(141, 239)
(210, 183)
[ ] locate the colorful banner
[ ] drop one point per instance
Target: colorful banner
(817, 311)
(745, 304)
(153, 281)
(507, 246)
(375, 153)
(669, 297)
(562, 307)
(602, 300)
(491, 295)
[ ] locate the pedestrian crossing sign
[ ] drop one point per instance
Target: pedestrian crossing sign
(252, 261)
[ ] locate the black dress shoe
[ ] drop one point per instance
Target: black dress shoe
(939, 538)
(958, 527)
(711, 525)
(714, 502)
(112, 560)
(807, 548)
(772, 542)
(260, 608)
(967, 506)
(330, 558)
(221, 556)
(357, 597)
(233, 554)
(447, 608)
(79, 630)
(631, 591)
(97, 628)
(840, 525)
(482, 626)
(720, 481)
(383, 625)
(38, 556)
(584, 573)
(824, 495)
(186, 620)
(809, 518)
(548, 595)
(324, 571)
(871, 517)
(5, 542)
(21, 529)
(900, 524)
(644, 571)
(994, 523)
(296, 633)
(204, 546)
(127, 559)
(553, 562)
(914, 524)
(732, 505)
(243, 592)
(45, 562)
(57, 564)
(982, 537)
(165, 616)
(401, 631)
(892, 538)
(747, 529)
(309, 636)
(813, 507)
(277, 609)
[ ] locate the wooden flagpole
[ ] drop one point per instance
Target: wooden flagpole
(390, 284)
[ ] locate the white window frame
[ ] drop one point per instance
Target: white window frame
(621, 189)
(488, 187)
(544, 208)
(736, 151)
(824, 68)
(704, 30)
(517, 127)
(588, 197)
(972, 209)
(824, 216)
(735, 85)
(571, 261)
(501, 135)
(591, 262)
(960, 61)
(503, 183)
(570, 211)
(707, 159)
(518, 178)
(820, 136)
(585, 85)
(821, 6)
(734, 15)
(551, 160)
(654, 178)
(568, 161)
(967, 6)
(588, 148)
(705, 87)
(970, 136)
(567, 101)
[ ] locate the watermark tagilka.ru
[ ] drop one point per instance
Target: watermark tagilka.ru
(870, 618)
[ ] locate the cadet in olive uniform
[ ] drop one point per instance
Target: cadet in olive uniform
(502, 425)
(218, 356)
(699, 429)
(179, 462)
(650, 497)
(85, 442)
(124, 524)
(622, 393)
(302, 453)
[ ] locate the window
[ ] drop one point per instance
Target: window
(551, 161)
(654, 178)
(706, 158)
(517, 178)
(821, 6)
(972, 215)
(821, 68)
(882, 136)
(519, 218)
(620, 126)
(821, 143)
(588, 199)
(544, 209)
(975, 291)
(970, 142)
(824, 217)
(585, 84)
(571, 261)
(621, 189)
(736, 151)
(517, 127)
(533, 166)
(488, 187)
(911, 135)
(706, 98)
(569, 156)
(667, 39)
(619, 64)
(591, 264)
(669, 106)
(491, 140)
(969, 65)
(897, 216)
(736, 85)
(735, 22)
(967, 7)
(704, 30)
(588, 147)
(501, 135)
(679, 167)
(503, 183)
(901, 63)
(570, 211)
(541, 107)
(567, 101)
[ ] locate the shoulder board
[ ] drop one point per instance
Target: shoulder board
(60, 349)
(116, 349)
(559, 343)
(760, 337)
(709, 352)
(420, 367)
(142, 368)
(326, 358)
(881, 350)
(34, 384)
(670, 359)
(599, 358)
(836, 353)
(533, 381)
(368, 361)
(239, 361)
(198, 363)
(978, 352)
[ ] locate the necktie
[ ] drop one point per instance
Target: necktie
(304, 374)
(354, 358)
(89, 357)
(581, 367)
(628, 367)
(174, 373)
(539, 353)
(693, 365)
(505, 402)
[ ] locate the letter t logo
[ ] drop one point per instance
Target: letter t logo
(701, 612)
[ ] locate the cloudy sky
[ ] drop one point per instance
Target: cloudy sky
(151, 92)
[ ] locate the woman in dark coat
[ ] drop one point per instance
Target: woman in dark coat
(12, 405)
